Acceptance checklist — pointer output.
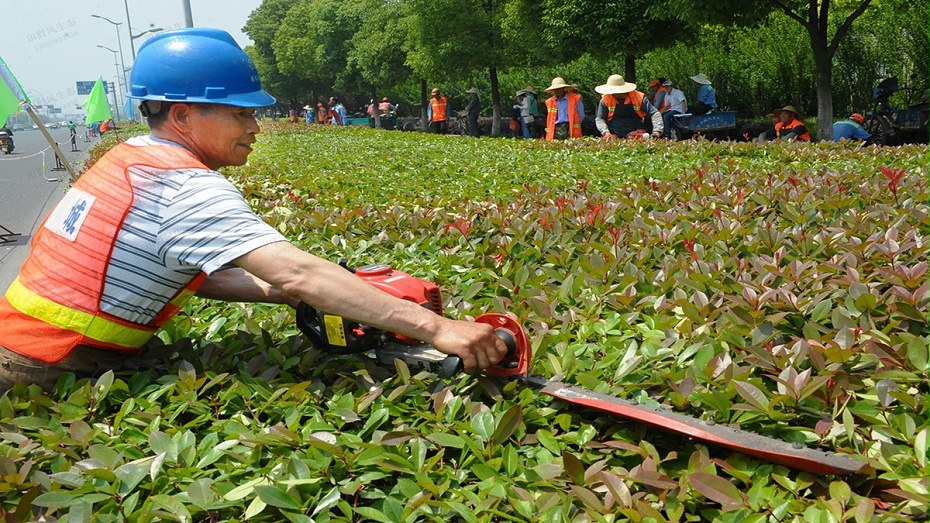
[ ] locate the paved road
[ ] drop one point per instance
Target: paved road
(29, 189)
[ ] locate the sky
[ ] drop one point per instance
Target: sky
(50, 45)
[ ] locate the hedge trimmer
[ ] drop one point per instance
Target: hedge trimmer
(338, 335)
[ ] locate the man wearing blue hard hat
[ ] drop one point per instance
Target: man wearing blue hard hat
(153, 223)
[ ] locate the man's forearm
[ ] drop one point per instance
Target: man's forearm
(235, 284)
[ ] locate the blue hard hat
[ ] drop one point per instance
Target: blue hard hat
(196, 65)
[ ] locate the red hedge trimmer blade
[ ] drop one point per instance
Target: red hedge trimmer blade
(795, 455)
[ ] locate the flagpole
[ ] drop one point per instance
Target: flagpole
(51, 141)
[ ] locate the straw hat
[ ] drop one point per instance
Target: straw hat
(307, 108)
(559, 83)
(700, 78)
(858, 118)
(521, 92)
(788, 109)
(615, 85)
(528, 89)
(472, 91)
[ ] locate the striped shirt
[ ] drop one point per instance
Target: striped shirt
(181, 222)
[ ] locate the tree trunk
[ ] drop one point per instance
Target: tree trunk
(823, 65)
(824, 75)
(423, 101)
(629, 69)
(495, 102)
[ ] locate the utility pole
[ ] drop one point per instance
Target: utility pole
(188, 18)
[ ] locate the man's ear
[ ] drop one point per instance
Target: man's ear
(180, 114)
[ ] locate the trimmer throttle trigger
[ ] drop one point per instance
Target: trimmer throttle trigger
(516, 362)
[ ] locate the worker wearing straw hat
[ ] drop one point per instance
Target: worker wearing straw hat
(790, 126)
(565, 111)
(622, 110)
(706, 96)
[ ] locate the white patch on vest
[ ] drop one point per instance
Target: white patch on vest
(69, 215)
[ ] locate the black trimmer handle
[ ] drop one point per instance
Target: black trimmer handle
(453, 365)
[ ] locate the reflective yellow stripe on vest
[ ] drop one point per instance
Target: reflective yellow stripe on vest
(93, 327)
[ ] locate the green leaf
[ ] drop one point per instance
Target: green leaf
(821, 311)
(162, 443)
(328, 501)
(917, 353)
(393, 509)
(447, 440)
(276, 497)
(508, 424)
(921, 447)
(55, 499)
(373, 514)
(715, 488)
(548, 441)
(130, 474)
(574, 468)
(171, 506)
(102, 386)
(246, 489)
(200, 493)
(483, 424)
(68, 479)
(256, 507)
(753, 395)
(472, 290)
(215, 453)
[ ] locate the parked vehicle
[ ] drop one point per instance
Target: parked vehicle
(716, 123)
(6, 142)
(890, 125)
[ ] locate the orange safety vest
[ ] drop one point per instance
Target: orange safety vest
(54, 304)
(439, 109)
(663, 105)
(574, 119)
(334, 116)
(806, 137)
(634, 98)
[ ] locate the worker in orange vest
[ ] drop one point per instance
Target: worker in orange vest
(790, 126)
(153, 222)
(438, 112)
(622, 110)
(565, 111)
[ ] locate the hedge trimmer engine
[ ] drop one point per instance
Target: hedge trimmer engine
(338, 335)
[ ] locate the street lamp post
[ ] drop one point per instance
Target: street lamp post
(129, 26)
(120, 44)
(133, 37)
(116, 99)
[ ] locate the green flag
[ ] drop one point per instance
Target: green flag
(98, 110)
(11, 93)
